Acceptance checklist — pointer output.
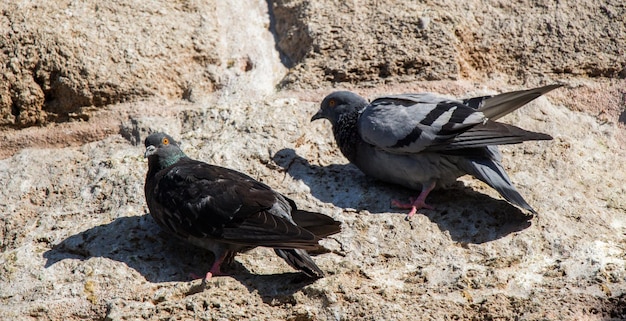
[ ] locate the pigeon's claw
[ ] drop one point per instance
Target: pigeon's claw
(216, 267)
(415, 203)
(214, 271)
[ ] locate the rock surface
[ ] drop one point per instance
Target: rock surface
(372, 42)
(77, 241)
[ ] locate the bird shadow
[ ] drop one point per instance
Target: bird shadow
(139, 242)
(469, 216)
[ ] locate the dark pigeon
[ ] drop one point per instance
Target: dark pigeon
(421, 141)
(226, 211)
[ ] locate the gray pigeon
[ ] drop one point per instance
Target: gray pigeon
(226, 211)
(423, 140)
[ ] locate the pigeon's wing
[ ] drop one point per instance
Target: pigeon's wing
(203, 200)
(491, 133)
(494, 107)
(319, 224)
(488, 134)
(410, 123)
(264, 229)
(293, 228)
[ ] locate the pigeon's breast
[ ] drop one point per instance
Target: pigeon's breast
(409, 170)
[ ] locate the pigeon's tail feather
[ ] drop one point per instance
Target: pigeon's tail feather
(319, 224)
(492, 173)
(299, 259)
(499, 105)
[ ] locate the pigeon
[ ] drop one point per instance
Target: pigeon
(423, 140)
(226, 211)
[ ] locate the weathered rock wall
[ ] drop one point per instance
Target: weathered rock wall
(373, 42)
(62, 56)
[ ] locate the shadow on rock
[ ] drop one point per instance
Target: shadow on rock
(275, 289)
(469, 216)
(473, 217)
(140, 243)
(342, 185)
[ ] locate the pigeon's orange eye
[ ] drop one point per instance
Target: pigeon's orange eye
(165, 141)
(332, 103)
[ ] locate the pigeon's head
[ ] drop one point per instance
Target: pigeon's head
(162, 149)
(338, 104)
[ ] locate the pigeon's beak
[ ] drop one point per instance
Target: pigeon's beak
(317, 116)
(149, 151)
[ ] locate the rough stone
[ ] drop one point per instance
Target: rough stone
(371, 42)
(60, 56)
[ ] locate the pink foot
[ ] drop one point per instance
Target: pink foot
(415, 203)
(207, 277)
(215, 269)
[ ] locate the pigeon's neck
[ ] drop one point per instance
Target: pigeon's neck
(346, 133)
(171, 160)
(158, 163)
